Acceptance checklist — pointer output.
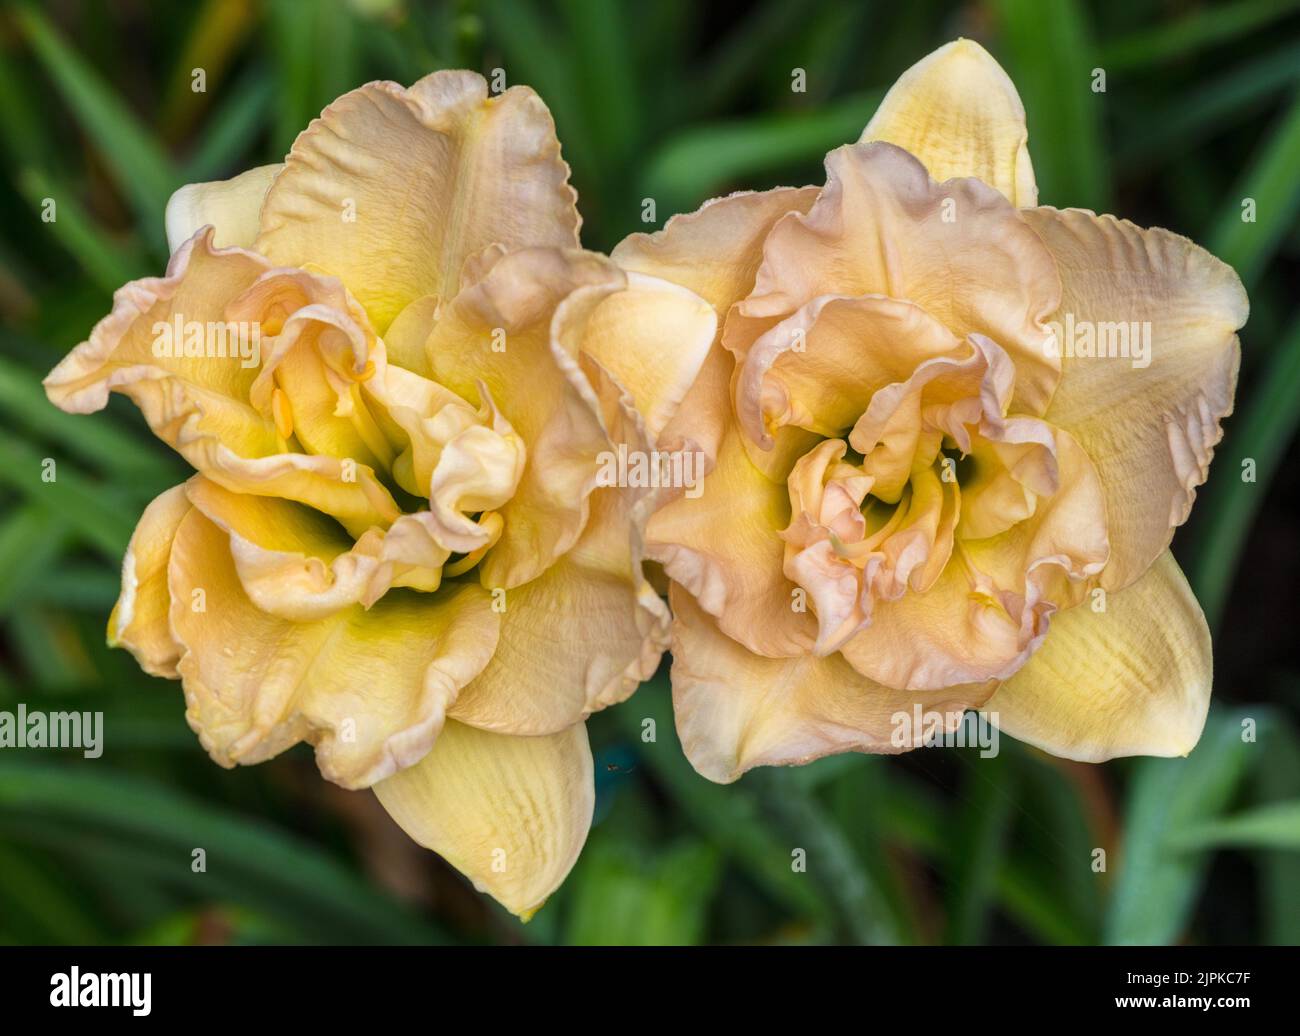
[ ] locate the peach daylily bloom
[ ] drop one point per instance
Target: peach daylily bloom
(394, 372)
(927, 489)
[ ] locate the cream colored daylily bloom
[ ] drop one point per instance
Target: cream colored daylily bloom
(394, 372)
(915, 499)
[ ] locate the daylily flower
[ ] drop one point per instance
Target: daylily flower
(928, 489)
(395, 373)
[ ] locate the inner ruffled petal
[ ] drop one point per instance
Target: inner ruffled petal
(845, 559)
(935, 460)
(944, 399)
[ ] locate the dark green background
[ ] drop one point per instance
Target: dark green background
(676, 101)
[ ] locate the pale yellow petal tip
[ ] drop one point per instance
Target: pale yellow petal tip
(479, 799)
(179, 215)
(965, 49)
(967, 46)
(232, 207)
(958, 111)
(1197, 720)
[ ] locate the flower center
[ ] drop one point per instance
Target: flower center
(933, 461)
(326, 389)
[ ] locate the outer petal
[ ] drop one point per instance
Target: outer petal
(368, 688)
(511, 813)
(231, 207)
(201, 281)
(1150, 431)
(957, 249)
(736, 710)
(201, 406)
(716, 250)
(1132, 680)
(393, 189)
(579, 637)
(139, 619)
(959, 113)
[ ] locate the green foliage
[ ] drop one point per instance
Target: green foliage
(1160, 869)
(1051, 57)
(672, 102)
(82, 812)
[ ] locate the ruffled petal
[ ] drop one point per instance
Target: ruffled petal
(392, 189)
(368, 688)
(510, 813)
(959, 113)
(295, 563)
(319, 352)
(651, 336)
(1150, 424)
(845, 557)
(201, 404)
(1133, 679)
(716, 250)
(1009, 472)
(990, 609)
(137, 341)
(595, 594)
(723, 544)
(579, 637)
(498, 332)
(820, 367)
(736, 710)
(943, 399)
(958, 249)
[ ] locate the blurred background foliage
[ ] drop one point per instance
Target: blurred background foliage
(675, 101)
